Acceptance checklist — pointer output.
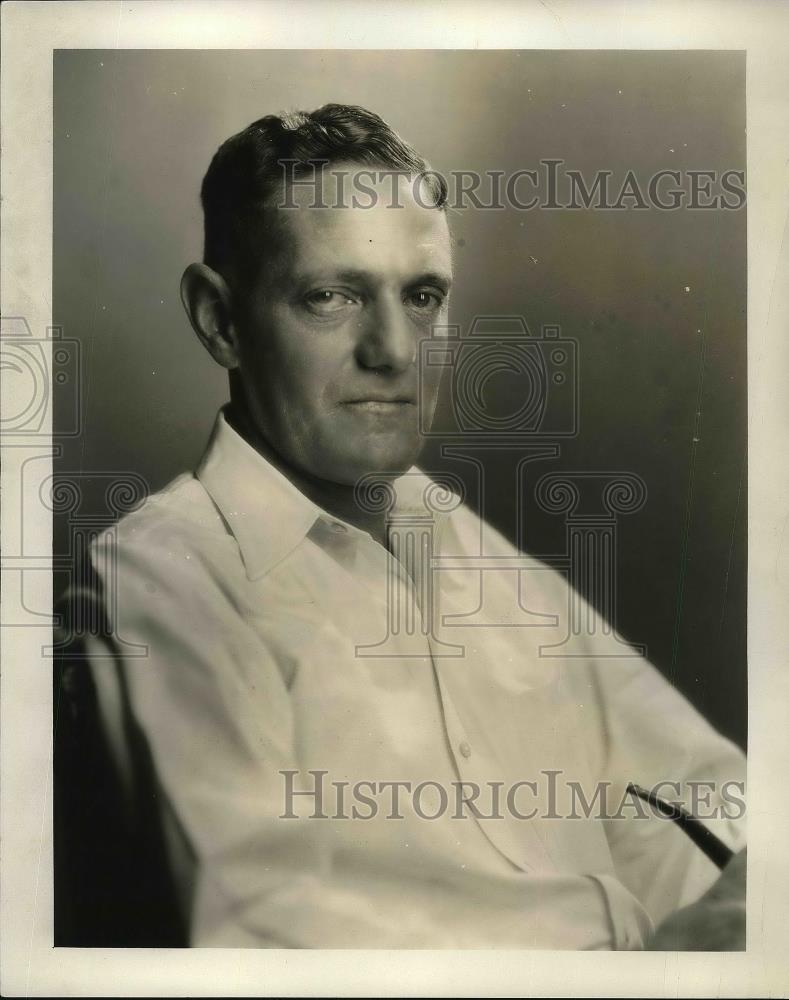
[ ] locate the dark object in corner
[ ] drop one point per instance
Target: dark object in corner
(113, 885)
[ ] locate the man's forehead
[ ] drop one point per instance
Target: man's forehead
(370, 226)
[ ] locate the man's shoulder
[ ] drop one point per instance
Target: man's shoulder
(175, 525)
(183, 507)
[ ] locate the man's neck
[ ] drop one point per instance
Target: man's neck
(337, 499)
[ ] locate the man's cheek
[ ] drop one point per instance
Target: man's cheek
(429, 388)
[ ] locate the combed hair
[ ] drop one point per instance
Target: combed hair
(248, 170)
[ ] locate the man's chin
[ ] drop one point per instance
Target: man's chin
(350, 469)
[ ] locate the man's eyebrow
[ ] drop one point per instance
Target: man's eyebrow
(441, 279)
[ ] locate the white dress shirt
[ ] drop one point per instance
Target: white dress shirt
(270, 649)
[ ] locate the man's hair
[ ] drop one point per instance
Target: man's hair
(249, 169)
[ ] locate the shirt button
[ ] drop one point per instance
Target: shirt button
(465, 749)
(340, 529)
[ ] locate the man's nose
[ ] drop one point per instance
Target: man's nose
(387, 340)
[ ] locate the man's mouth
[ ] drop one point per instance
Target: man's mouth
(380, 404)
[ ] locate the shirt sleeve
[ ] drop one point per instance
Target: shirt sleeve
(651, 735)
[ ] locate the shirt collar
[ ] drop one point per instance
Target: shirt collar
(265, 512)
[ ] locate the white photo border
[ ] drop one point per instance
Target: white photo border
(31, 32)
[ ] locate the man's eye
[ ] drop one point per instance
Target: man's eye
(326, 301)
(424, 300)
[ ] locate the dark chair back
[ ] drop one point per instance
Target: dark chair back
(114, 884)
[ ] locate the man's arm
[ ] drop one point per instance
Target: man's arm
(716, 922)
(655, 738)
(215, 711)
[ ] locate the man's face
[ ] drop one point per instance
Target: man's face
(330, 330)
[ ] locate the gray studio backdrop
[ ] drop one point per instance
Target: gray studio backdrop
(655, 299)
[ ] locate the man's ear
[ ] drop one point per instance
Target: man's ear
(208, 303)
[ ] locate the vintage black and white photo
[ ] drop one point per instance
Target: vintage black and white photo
(393, 423)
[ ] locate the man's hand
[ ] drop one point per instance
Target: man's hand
(716, 922)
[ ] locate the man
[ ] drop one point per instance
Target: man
(327, 779)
